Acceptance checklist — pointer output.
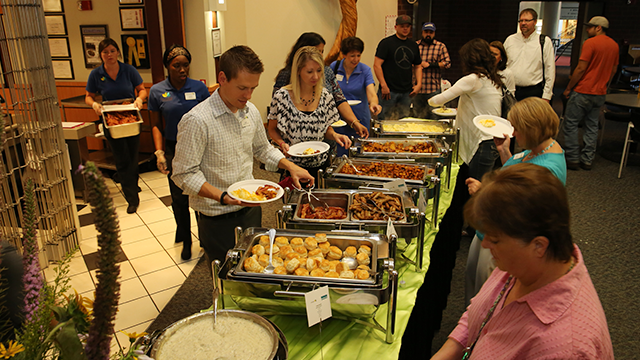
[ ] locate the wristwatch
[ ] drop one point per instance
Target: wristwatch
(224, 193)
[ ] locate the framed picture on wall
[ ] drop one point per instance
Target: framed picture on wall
(56, 25)
(131, 2)
(59, 47)
(216, 42)
(92, 35)
(62, 69)
(135, 51)
(132, 18)
(52, 6)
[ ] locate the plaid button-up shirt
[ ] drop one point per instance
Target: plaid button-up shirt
(218, 146)
(431, 76)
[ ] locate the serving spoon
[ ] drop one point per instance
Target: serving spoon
(269, 269)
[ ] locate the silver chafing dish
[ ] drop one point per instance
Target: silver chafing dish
(352, 298)
(433, 128)
(441, 154)
(410, 225)
(421, 190)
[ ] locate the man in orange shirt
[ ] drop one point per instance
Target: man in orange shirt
(589, 82)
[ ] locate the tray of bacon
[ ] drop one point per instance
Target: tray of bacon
(122, 120)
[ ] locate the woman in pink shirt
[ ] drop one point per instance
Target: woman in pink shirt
(539, 303)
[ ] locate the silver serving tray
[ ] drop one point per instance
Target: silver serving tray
(340, 240)
(342, 200)
(441, 146)
(428, 171)
(403, 220)
(447, 127)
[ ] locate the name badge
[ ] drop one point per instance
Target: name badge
(339, 77)
(518, 155)
(190, 96)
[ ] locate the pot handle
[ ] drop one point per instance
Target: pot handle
(284, 293)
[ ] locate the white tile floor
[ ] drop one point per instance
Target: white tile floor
(154, 270)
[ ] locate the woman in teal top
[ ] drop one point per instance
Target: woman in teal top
(535, 124)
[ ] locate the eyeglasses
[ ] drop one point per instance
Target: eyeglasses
(525, 21)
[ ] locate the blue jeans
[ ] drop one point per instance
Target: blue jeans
(395, 108)
(421, 108)
(483, 160)
(587, 107)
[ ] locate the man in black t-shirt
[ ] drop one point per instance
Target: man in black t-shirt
(397, 60)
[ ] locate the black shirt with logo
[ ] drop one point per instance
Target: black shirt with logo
(399, 57)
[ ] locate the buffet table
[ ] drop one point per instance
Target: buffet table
(348, 339)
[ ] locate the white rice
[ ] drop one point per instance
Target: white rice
(233, 339)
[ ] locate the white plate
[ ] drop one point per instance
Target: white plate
(298, 149)
(339, 123)
(353, 102)
(438, 111)
(503, 126)
(253, 185)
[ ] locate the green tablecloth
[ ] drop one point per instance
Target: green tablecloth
(341, 339)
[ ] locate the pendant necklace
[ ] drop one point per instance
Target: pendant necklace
(308, 102)
(541, 152)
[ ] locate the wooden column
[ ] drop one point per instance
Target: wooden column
(155, 42)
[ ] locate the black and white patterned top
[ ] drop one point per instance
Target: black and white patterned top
(295, 126)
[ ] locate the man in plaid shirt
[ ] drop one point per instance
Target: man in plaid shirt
(435, 57)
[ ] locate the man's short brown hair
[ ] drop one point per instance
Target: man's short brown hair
(533, 13)
(524, 201)
(240, 58)
(535, 119)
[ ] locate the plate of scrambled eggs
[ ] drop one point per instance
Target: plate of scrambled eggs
(255, 191)
(493, 125)
(445, 111)
(308, 148)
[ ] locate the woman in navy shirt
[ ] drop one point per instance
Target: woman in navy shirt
(168, 101)
(114, 81)
(356, 81)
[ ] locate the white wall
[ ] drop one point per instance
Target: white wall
(271, 27)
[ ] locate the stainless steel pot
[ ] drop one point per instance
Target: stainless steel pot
(277, 352)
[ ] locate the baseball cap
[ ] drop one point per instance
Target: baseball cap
(598, 21)
(429, 26)
(403, 19)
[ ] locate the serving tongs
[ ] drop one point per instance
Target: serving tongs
(310, 195)
(269, 269)
(346, 158)
(384, 212)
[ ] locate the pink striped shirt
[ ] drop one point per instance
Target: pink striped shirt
(562, 320)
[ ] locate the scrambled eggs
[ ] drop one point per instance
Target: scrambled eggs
(488, 123)
(247, 195)
(309, 151)
(413, 127)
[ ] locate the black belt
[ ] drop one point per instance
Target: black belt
(230, 215)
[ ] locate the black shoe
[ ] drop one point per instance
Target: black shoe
(132, 208)
(585, 166)
(186, 251)
(573, 165)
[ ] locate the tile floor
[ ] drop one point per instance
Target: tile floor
(151, 270)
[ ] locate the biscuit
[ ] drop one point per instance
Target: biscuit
(257, 250)
(252, 265)
(334, 253)
(276, 261)
(291, 265)
(302, 251)
(296, 242)
(317, 253)
(364, 249)
(321, 237)
(310, 243)
(276, 249)
(263, 260)
(350, 251)
(312, 264)
(364, 267)
(281, 241)
(363, 259)
(264, 240)
(301, 272)
(361, 274)
(333, 264)
(317, 272)
(284, 250)
(292, 255)
(347, 274)
(280, 270)
(324, 265)
(324, 247)
(332, 274)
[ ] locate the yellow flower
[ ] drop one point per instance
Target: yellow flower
(133, 336)
(11, 350)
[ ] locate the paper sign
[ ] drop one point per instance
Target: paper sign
(318, 305)
(397, 185)
(391, 230)
(422, 201)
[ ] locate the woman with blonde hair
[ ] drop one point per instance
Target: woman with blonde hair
(304, 110)
(535, 124)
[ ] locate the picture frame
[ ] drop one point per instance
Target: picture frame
(216, 42)
(62, 69)
(132, 18)
(131, 2)
(92, 35)
(56, 25)
(53, 6)
(59, 47)
(135, 50)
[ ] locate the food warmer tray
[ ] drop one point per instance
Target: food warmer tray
(355, 299)
(441, 155)
(428, 188)
(411, 226)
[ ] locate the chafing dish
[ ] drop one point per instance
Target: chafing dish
(412, 225)
(354, 298)
(441, 151)
(422, 190)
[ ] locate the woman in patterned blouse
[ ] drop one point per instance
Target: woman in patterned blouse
(304, 110)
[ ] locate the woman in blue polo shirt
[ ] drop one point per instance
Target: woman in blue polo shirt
(168, 101)
(356, 81)
(114, 81)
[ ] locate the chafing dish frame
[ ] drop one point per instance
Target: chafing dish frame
(384, 288)
(413, 226)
